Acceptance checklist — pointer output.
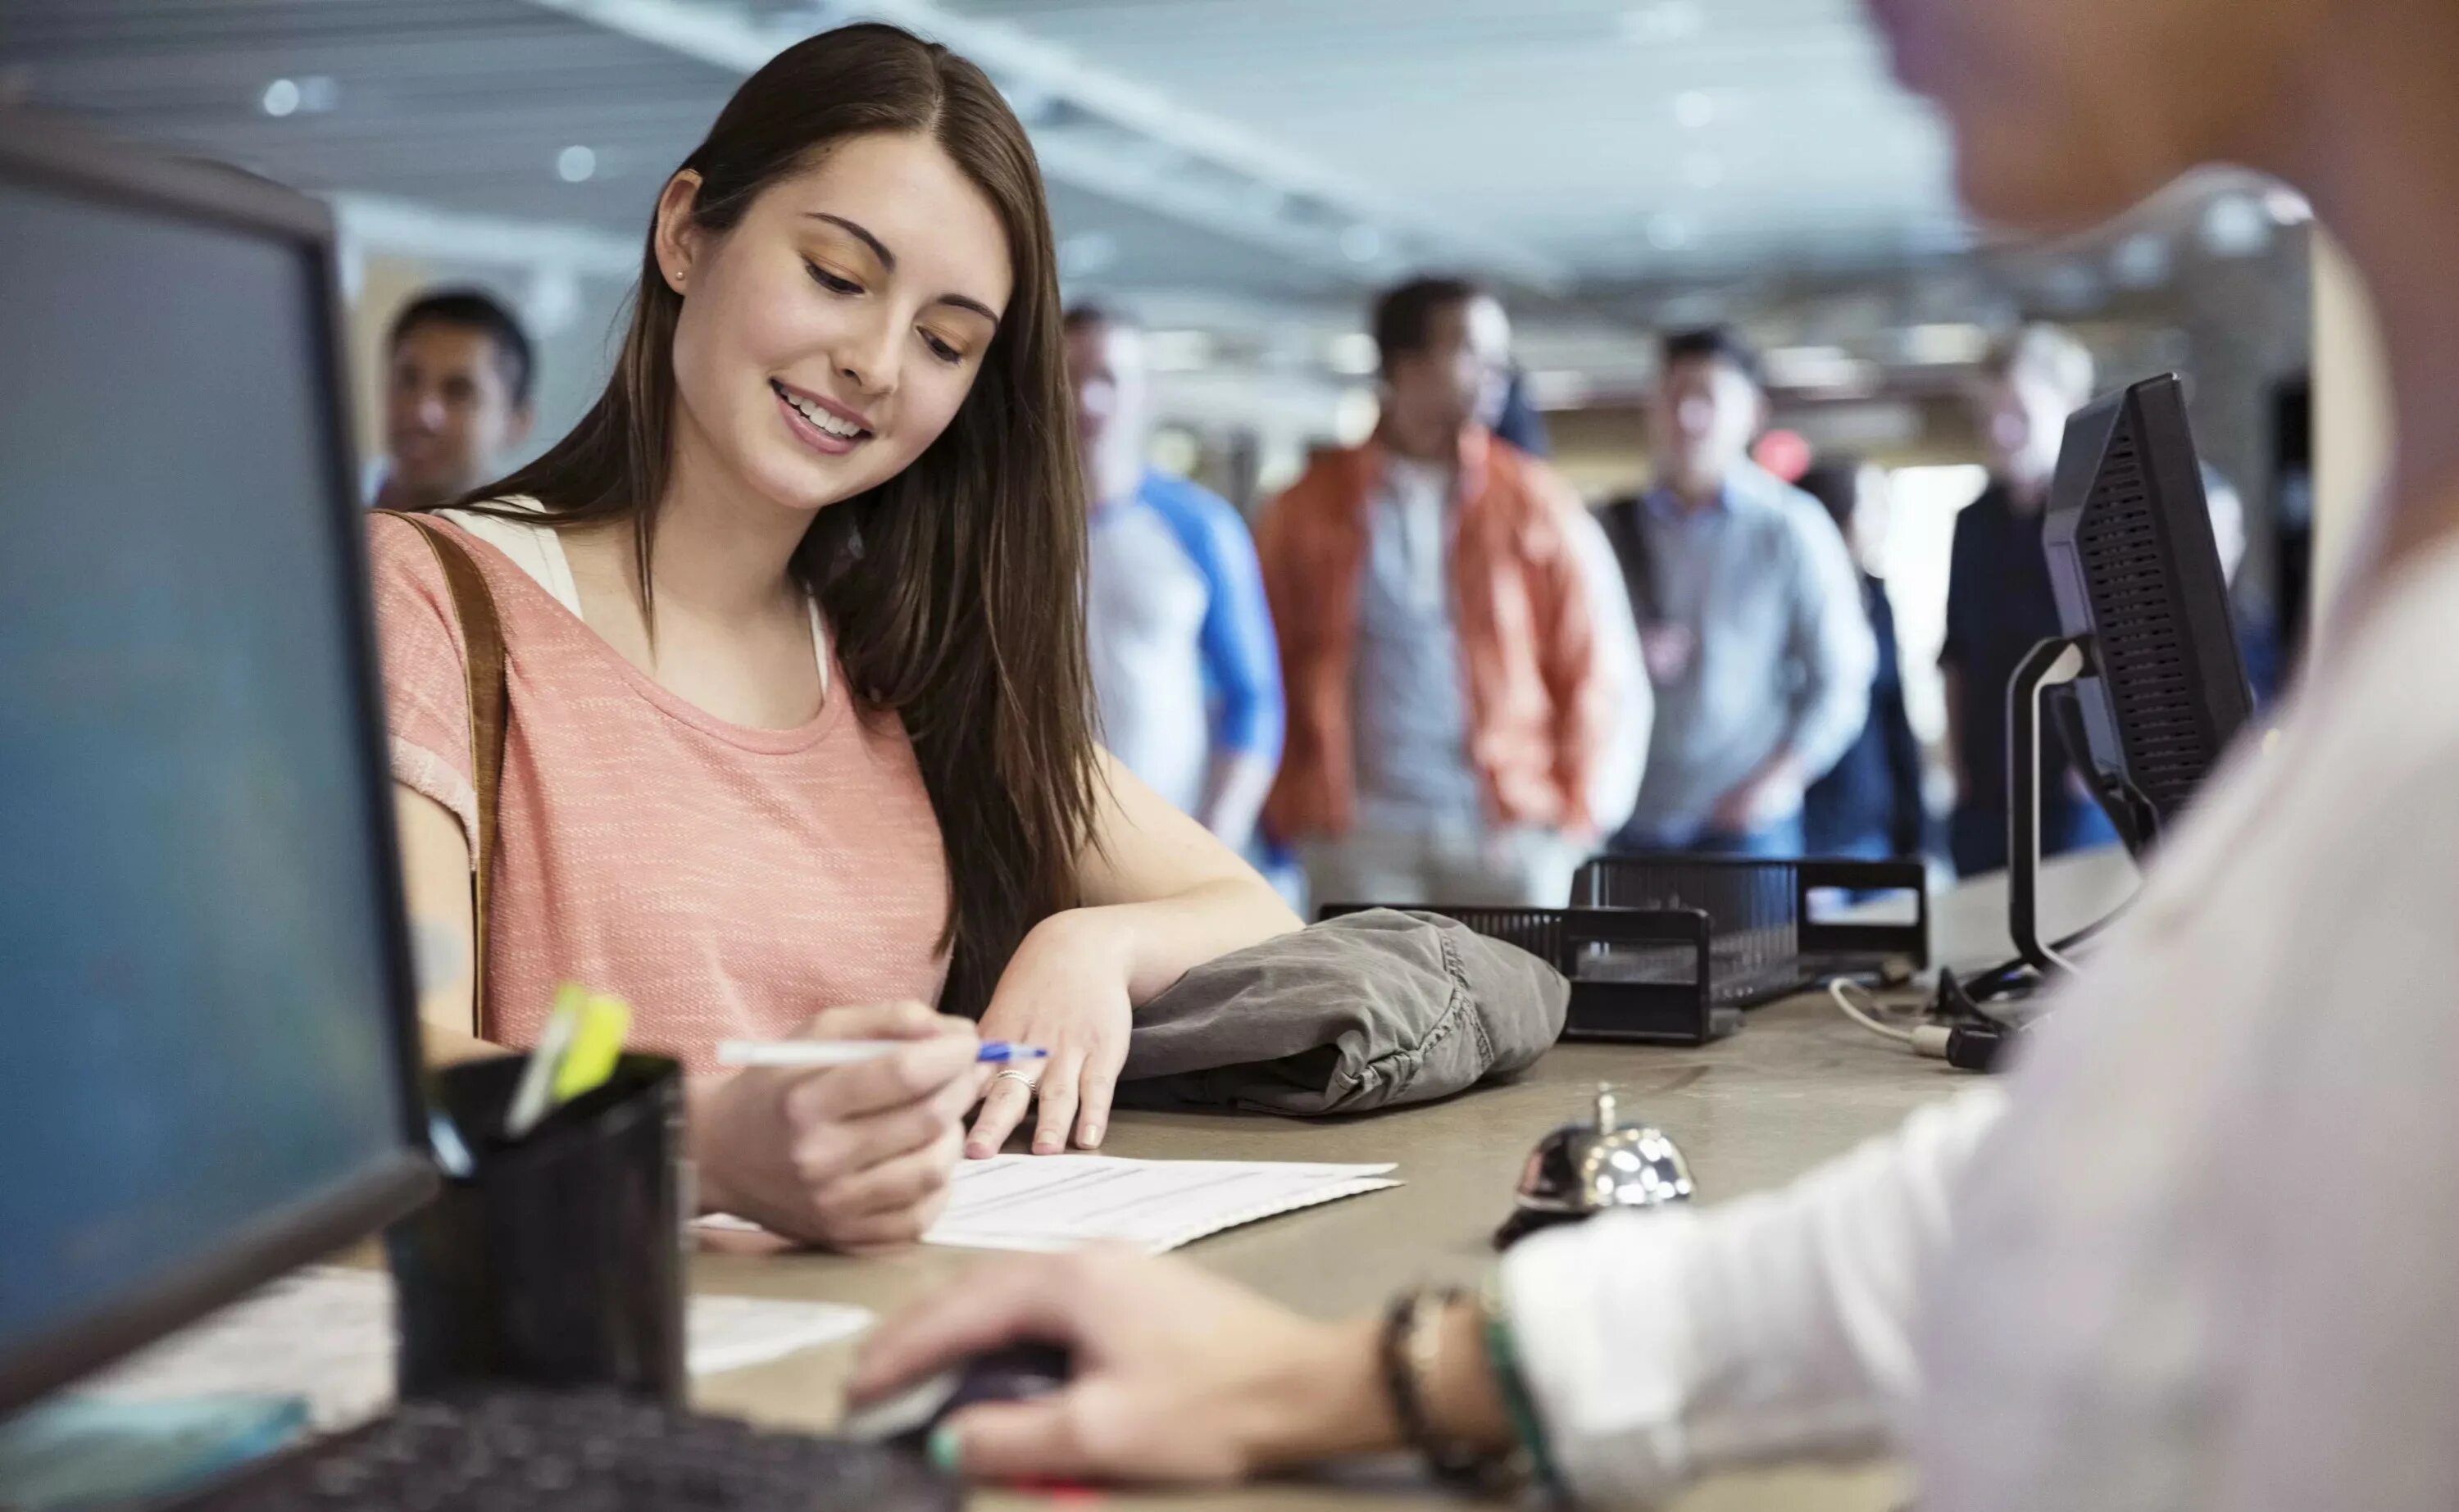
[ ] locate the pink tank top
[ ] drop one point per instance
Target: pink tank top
(728, 881)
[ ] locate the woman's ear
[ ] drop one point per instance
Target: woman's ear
(677, 241)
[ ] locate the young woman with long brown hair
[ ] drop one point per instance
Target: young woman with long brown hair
(798, 734)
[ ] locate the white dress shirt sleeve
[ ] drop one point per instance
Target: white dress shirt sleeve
(1659, 1346)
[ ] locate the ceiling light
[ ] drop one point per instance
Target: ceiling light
(1662, 21)
(1669, 232)
(2235, 226)
(1086, 253)
(2141, 261)
(576, 164)
(1352, 353)
(1361, 243)
(1694, 110)
(2286, 207)
(281, 97)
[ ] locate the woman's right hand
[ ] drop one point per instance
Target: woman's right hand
(850, 1157)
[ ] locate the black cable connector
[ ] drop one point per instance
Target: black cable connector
(1977, 1046)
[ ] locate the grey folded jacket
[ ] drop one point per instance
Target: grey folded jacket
(1370, 1011)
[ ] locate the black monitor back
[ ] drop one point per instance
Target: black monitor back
(2134, 566)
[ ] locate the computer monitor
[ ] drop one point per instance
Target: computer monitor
(2149, 651)
(209, 1068)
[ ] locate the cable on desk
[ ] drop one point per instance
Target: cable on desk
(1922, 1038)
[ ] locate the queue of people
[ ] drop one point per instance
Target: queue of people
(1707, 667)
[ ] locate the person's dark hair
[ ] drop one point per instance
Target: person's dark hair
(1404, 315)
(1084, 313)
(1713, 344)
(1835, 481)
(952, 590)
(470, 309)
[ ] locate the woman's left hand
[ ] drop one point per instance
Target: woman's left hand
(1064, 991)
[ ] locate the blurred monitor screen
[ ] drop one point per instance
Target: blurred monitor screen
(200, 960)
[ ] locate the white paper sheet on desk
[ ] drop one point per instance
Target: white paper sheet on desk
(1062, 1202)
(326, 1332)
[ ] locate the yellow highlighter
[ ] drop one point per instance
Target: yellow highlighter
(574, 1054)
(597, 1045)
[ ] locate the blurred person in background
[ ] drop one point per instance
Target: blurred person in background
(1448, 703)
(458, 376)
(1870, 804)
(1749, 618)
(2194, 1251)
(1187, 674)
(1613, 787)
(1998, 600)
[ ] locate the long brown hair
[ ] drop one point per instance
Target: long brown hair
(952, 590)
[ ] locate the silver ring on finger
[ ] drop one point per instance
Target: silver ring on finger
(1014, 1076)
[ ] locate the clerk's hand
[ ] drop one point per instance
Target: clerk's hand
(1178, 1376)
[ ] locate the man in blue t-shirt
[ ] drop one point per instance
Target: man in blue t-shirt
(1187, 674)
(1999, 604)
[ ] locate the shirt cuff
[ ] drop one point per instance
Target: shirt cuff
(422, 771)
(1605, 1345)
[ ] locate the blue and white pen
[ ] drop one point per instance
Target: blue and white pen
(805, 1054)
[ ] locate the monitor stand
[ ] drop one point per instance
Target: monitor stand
(2053, 663)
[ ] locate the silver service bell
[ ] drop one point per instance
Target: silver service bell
(1585, 1168)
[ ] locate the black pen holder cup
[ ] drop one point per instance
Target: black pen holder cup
(558, 1261)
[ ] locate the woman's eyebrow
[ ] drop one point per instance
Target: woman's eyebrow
(888, 260)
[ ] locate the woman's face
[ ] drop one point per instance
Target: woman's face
(828, 339)
(2065, 112)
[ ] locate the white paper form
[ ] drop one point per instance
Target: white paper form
(326, 1332)
(1063, 1202)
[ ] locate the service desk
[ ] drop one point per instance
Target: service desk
(1799, 1084)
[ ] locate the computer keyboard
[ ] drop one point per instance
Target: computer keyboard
(594, 1451)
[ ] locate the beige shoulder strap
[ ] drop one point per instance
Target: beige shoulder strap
(482, 637)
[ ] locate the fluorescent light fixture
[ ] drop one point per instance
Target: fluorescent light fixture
(576, 164)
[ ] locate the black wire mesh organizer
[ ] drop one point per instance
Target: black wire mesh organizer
(1669, 950)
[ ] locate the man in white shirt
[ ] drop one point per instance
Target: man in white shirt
(2195, 1252)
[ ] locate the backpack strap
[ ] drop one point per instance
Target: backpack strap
(483, 667)
(1626, 524)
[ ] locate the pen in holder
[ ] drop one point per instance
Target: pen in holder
(558, 1259)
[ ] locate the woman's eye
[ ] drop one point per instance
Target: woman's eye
(941, 349)
(829, 280)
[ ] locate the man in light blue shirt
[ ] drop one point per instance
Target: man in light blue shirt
(1187, 674)
(1751, 619)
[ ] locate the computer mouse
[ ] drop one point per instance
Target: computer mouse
(1014, 1372)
